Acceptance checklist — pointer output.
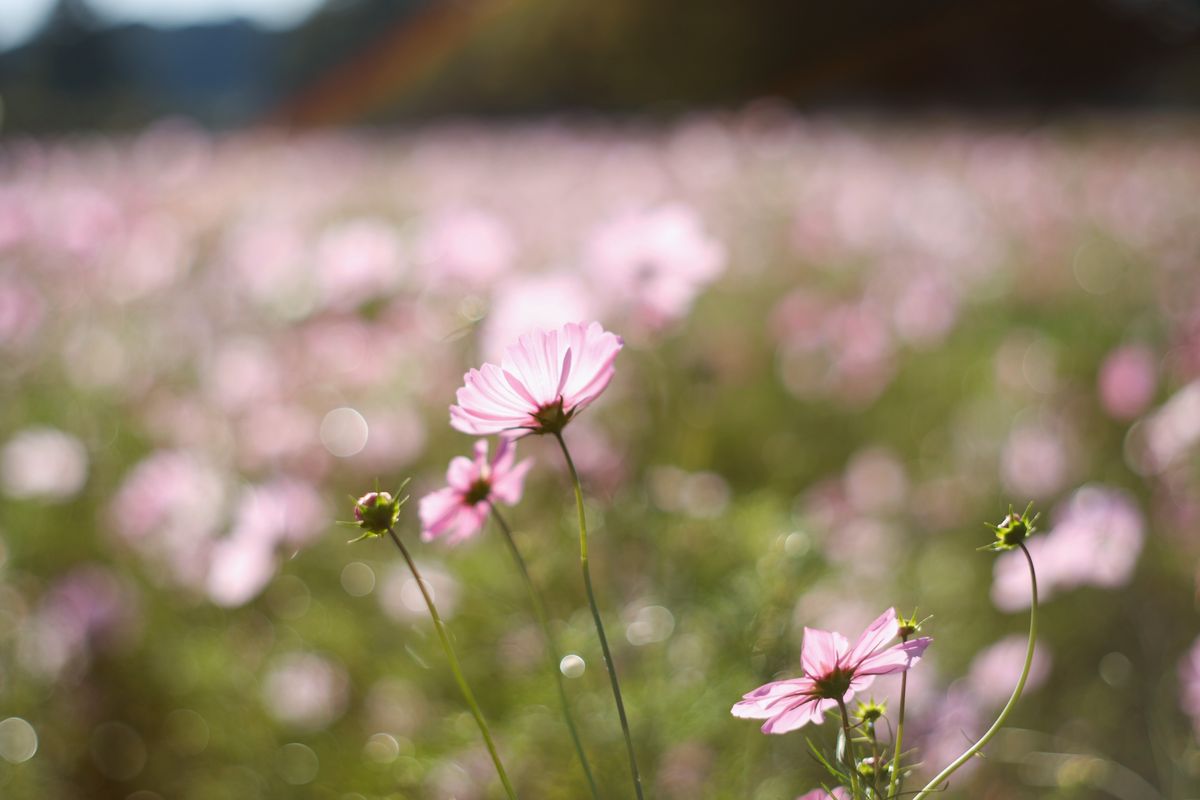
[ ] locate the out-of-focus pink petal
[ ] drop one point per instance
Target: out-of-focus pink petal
(839, 793)
(437, 510)
(507, 487)
(461, 473)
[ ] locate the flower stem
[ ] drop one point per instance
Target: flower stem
(875, 761)
(848, 752)
(894, 786)
(1012, 701)
(468, 695)
(539, 611)
(591, 596)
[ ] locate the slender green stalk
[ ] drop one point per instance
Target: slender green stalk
(591, 596)
(894, 786)
(848, 752)
(875, 761)
(1012, 701)
(539, 611)
(468, 695)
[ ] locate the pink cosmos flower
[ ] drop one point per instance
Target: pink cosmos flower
(839, 793)
(542, 382)
(833, 671)
(461, 508)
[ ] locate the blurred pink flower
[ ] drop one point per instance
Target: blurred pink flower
(43, 463)
(465, 245)
(356, 261)
(839, 793)
(657, 261)
(305, 690)
(1096, 540)
(461, 508)
(994, 671)
(1035, 460)
(522, 304)
(1189, 685)
(543, 381)
(1128, 379)
(21, 311)
(89, 609)
(833, 671)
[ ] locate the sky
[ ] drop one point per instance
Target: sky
(20, 19)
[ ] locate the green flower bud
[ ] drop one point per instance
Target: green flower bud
(1013, 530)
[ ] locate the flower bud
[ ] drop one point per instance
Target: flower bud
(870, 711)
(377, 512)
(1013, 530)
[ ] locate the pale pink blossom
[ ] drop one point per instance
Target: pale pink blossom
(1189, 685)
(834, 672)
(43, 463)
(357, 261)
(1128, 379)
(460, 510)
(466, 245)
(542, 382)
(657, 261)
(839, 793)
(995, 670)
(523, 303)
(1095, 541)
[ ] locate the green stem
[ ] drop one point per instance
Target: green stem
(591, 596)
(539, 611)
(894, 786)
(875, 764)
(1012, 701)
(848, 752)
(468, 695)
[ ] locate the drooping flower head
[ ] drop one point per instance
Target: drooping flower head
(833, 672)
(460, 510)
(542, 382)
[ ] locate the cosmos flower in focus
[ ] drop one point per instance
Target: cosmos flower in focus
(833, 672)
(543, 381)
(460, 509)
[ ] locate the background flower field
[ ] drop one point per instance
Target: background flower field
(847, 347)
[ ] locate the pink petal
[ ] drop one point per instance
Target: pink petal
(462, 473)
(810, 710)
(878, 633)
(897, 658)
(508, 486)
(821, 651)
(437, 511)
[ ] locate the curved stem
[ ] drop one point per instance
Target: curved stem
(1012, 701)
(894, 786)
(539, 611)
(468, 695)
(591, 596)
